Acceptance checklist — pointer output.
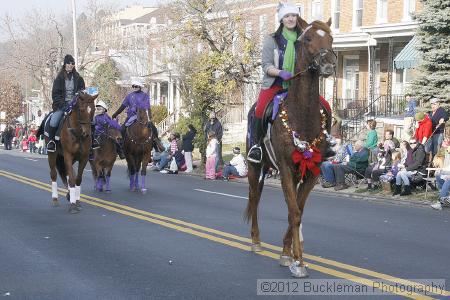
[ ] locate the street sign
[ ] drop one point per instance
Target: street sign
(92, 90)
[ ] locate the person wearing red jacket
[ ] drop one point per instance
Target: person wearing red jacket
(424, 129)
(32, 142)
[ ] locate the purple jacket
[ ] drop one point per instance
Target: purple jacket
(102, 121)
(135, 100)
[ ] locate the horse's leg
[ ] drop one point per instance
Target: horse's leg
(145, 161)
(94, 173)
(137, 164)
(81, 165)
(289, 186)
(254, 195)
(107, 178)
(53, 177)
(131, 170)
(68, 161)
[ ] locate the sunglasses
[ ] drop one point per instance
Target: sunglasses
(135, 86)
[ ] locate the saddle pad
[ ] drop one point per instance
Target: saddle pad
(131, 120)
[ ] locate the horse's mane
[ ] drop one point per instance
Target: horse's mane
(321, 25)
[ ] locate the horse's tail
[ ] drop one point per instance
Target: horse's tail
(61, 167)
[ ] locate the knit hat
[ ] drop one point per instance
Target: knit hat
(286, 8)
(420, 116)
(236, 150)
(69, 59)
(434, 100)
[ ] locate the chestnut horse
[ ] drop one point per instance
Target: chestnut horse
(138, 143)
(105, 157)
(75, 143)
(298, 137)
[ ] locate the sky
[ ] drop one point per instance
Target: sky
(16, 8)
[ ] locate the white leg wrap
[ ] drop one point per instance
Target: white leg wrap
(54, 189)
(300, 234)
(77, 192)
(73, 197)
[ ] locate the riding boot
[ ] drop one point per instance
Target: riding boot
(398, 190)
(119, 150)
(255, 152)
(51, 145)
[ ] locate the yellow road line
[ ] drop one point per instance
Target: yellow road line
(110, 206)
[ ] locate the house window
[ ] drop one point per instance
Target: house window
(336, 9)
(316, 10)
(409, 8)
(382, 11)
(357, 13)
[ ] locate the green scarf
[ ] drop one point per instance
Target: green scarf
(289, 54)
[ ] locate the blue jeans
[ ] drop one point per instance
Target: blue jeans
(436, 142)
(164, 161)
(443, 186)
(403, 176)
(56, 117)
(327, 172)
(230, 170)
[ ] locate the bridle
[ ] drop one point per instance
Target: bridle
(76, 106)
(317, 60)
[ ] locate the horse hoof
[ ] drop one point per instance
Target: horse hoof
(55, 202)
(256, 247)
(73, 209)
(108, 191)
(285, 261)
(297, 270)
(132, 189)
(144, 191)
(78, 204)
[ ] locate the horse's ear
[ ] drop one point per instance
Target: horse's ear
(94, 97)
(301, 23)
(329, 22)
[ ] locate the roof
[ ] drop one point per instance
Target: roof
(409, 57)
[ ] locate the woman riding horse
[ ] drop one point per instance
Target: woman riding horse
(67, 83)
(278, 62)
(297, 137)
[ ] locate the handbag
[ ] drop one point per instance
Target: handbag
(173, 165)
(416, 177)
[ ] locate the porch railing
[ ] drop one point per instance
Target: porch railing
(166, 124)
(355, 112)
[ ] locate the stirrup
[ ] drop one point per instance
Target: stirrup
(54, 146)
(251, 159)
(95, 144)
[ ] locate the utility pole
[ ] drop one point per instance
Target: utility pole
(74, 24)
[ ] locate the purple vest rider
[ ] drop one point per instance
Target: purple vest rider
(134, 101)
(102, 121)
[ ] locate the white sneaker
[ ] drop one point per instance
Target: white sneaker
(164, 171)
(445, 201)
(437, 206)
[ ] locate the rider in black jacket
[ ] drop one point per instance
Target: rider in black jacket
(67, 83)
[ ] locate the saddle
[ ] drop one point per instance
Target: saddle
(46, 124)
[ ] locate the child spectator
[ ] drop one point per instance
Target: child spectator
(442, 179)
(387, 178)
(188, 147)
(24, 144)
(236, 167)
(211, 155)
(32, 142)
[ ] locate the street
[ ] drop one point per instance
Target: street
(186, 238)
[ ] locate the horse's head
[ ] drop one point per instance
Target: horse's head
(114, 133)
(316, 42)
(85, 109)
(142, 116)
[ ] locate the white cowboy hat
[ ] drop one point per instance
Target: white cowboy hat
(137, 82)
(102, 104)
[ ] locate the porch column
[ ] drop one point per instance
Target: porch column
(158, 92)
(178, 103)
(152, 93)
(170, 103)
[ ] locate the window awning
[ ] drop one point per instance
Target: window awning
(409, 57)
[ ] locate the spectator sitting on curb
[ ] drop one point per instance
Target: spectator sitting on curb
(357, 165)
(416, 162)
(236, 167)
(375, 170)
(164, 161)
(326, 168)
(442, 179)
(388, 177)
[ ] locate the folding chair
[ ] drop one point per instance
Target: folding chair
(430, 180)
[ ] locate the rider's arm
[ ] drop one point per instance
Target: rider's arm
(58, 92)
(121, 108)
(268, 57)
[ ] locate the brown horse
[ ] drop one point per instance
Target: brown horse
(75, 143)
(105, 157)
(297, 139)
(138, 143)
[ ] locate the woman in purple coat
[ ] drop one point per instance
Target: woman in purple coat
(101, 123)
